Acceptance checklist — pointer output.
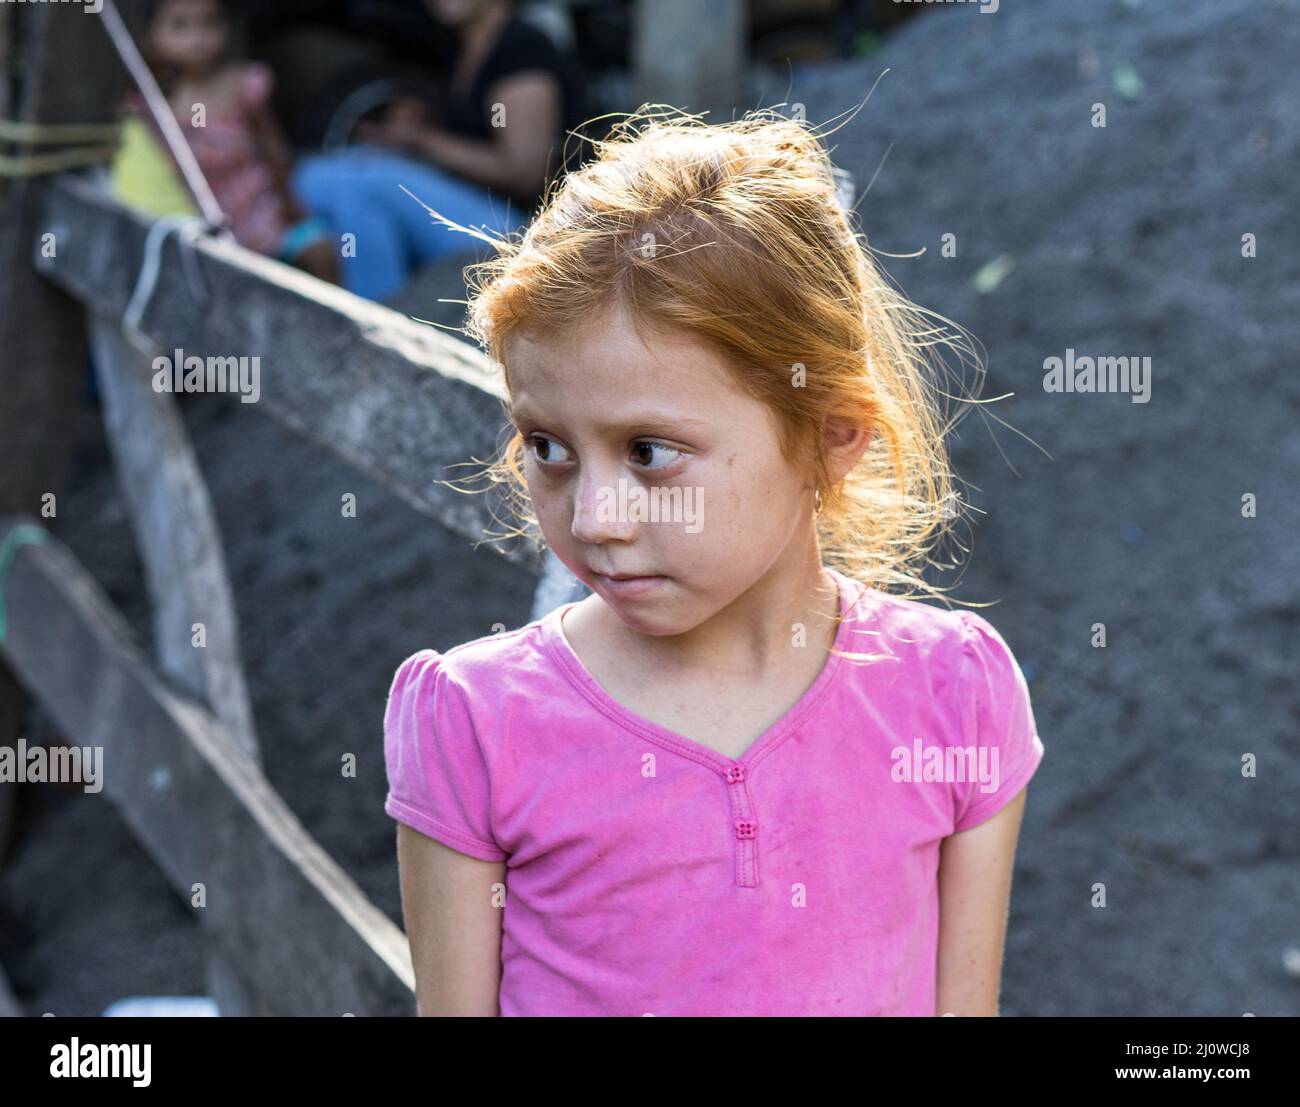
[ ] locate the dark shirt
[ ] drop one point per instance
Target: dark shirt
(520, 48)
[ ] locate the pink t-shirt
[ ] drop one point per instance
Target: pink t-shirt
(648, 874)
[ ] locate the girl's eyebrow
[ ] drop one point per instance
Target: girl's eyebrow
(650, 418)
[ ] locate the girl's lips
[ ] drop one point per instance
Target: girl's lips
(630, 588)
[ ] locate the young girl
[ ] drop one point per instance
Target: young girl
(736, 779)
(223, 106)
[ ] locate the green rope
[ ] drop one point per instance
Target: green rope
(16, 130)
(56, 161)
(38, 165)
(21, 535)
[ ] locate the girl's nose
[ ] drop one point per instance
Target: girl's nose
(600, 513)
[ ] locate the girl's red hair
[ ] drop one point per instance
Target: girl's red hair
(735, 233)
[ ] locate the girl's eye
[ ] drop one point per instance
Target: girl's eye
(550, 445)
(640, 449)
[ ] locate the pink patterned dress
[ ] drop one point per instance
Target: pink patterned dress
(243, 183)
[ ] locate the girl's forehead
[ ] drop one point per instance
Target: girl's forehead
(611, 339)
(606, 369)
(613, 399)
(621, 364)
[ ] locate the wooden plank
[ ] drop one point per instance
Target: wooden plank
(690, 55)
(41, 330)
(41, 334)
(397, 399)
(296, 924)
(177, 538)
(179, 545)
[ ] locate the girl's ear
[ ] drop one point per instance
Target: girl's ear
(846, 441)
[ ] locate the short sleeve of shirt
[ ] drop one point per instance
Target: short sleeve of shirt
(523, 49)
(997, 722)
(256, 82)
(438, 778)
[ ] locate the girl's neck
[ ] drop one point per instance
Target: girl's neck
(753, 636)
(199, 74)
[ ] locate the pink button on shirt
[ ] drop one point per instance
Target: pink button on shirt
(649, 874)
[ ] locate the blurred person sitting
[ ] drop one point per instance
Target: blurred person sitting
(484, 162)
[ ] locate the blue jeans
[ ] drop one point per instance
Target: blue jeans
(357, 191)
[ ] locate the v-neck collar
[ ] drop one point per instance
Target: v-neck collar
(559, 648)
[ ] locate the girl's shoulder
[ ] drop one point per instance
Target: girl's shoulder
(977, 695)
(957, 655)
(246, 84)
(905, 623)
(947, 643)
(484, 668)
